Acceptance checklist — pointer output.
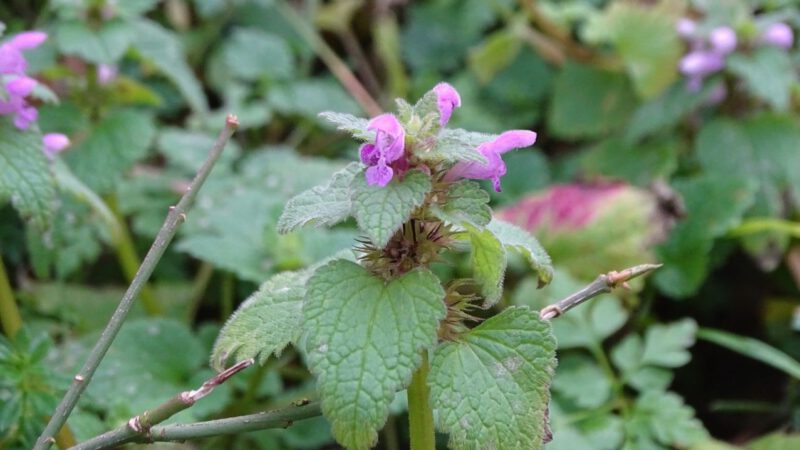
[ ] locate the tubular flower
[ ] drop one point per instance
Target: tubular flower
(723, 40)
(494, 168)
(387, 149)
(779, 35)
(54, 143)
(447, 99)
(17, 85)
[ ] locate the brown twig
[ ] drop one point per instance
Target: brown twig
(604, 283)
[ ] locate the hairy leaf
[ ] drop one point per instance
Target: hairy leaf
(491, 388)
(465, 202)
(356, 126)
(516, 239)
(25, 178)
(321, 205)
(488, 259)
(454, 145)
(380, 211)
(363, 338)
(265, 323)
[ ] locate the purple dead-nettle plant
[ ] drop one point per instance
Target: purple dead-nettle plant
(707, 52)
(376, 321)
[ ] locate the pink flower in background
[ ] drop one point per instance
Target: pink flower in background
(685, 27)
(54, 143)
(447, 99)
(706, 56)
(106, 74)
(723, 40)
(17, 85)
(779, 35)
(494, 168)
(388, 149)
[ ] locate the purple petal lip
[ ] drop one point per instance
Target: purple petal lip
(28, 40)
(494, 168)
(54, 143)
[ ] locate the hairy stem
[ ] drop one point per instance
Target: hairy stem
(10, 317)
(420, 414)
(128, 259)
(175, 217)
(331, 60)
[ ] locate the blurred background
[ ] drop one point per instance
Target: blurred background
(668, 132)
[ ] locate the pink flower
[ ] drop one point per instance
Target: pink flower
(388, 148)
(723, 40)
(18, 86)
(11, 59)
(494, 168)
(106, 74)
(686, 28)
(54, 143)
(447, 99)
(778, 34)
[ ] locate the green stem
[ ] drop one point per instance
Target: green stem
(129, 259)
(10, 317)
(420, 414)
(176, 216)
(199, 286)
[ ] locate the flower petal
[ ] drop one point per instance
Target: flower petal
(379, 174)
(369, 154)
(723, 40)
(447, 99)
(778, 34)
(28, 40)
(20, 86)
(54, 143)
(508, 140)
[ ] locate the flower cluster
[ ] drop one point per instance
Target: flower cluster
(18, 86)
(708, 51)
(389, 155)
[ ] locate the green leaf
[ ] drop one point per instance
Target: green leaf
(114, 144)
(252, 54)
(356, 126)
(645, 39)
(516, 239)
(663, 417)
(714, 204)
(455, 145)
(753, 348)
(494, 54)
(163, 49)
(637, 164)
(134, 8)
(589, 102)
(581, 380)
(324, 205)
(25, 178)
(363, 338)
(103, 45)
(265, 323)
(380, 211)
(667, 345)
(768, 73)
(490, 388)
(488, 258)
(307, 97)
(775, 441)
(464, 202)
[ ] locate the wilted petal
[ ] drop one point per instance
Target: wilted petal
(778, 34)
(28, 40)
(447, 99)
(54, 143)
(723, 40)
(379, 174)
(20, 86)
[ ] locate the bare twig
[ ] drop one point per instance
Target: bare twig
(604, 283)
(140, 427)
(331, 59)
(176, 216)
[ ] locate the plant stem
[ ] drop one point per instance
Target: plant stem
(128, 259)
(199, 286)
(420, 414)
(175, 217)
(10, 317)
(280, 418)
(141, 425)
(603, 284)
(329, 57)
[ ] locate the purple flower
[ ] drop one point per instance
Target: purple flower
(11, 59)
(494, 168)
(447, 99)
(54, 143)
(106, 74)
(698, 64)
(388, 148)
(723, 40)
(686, 28)
(778, 34)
